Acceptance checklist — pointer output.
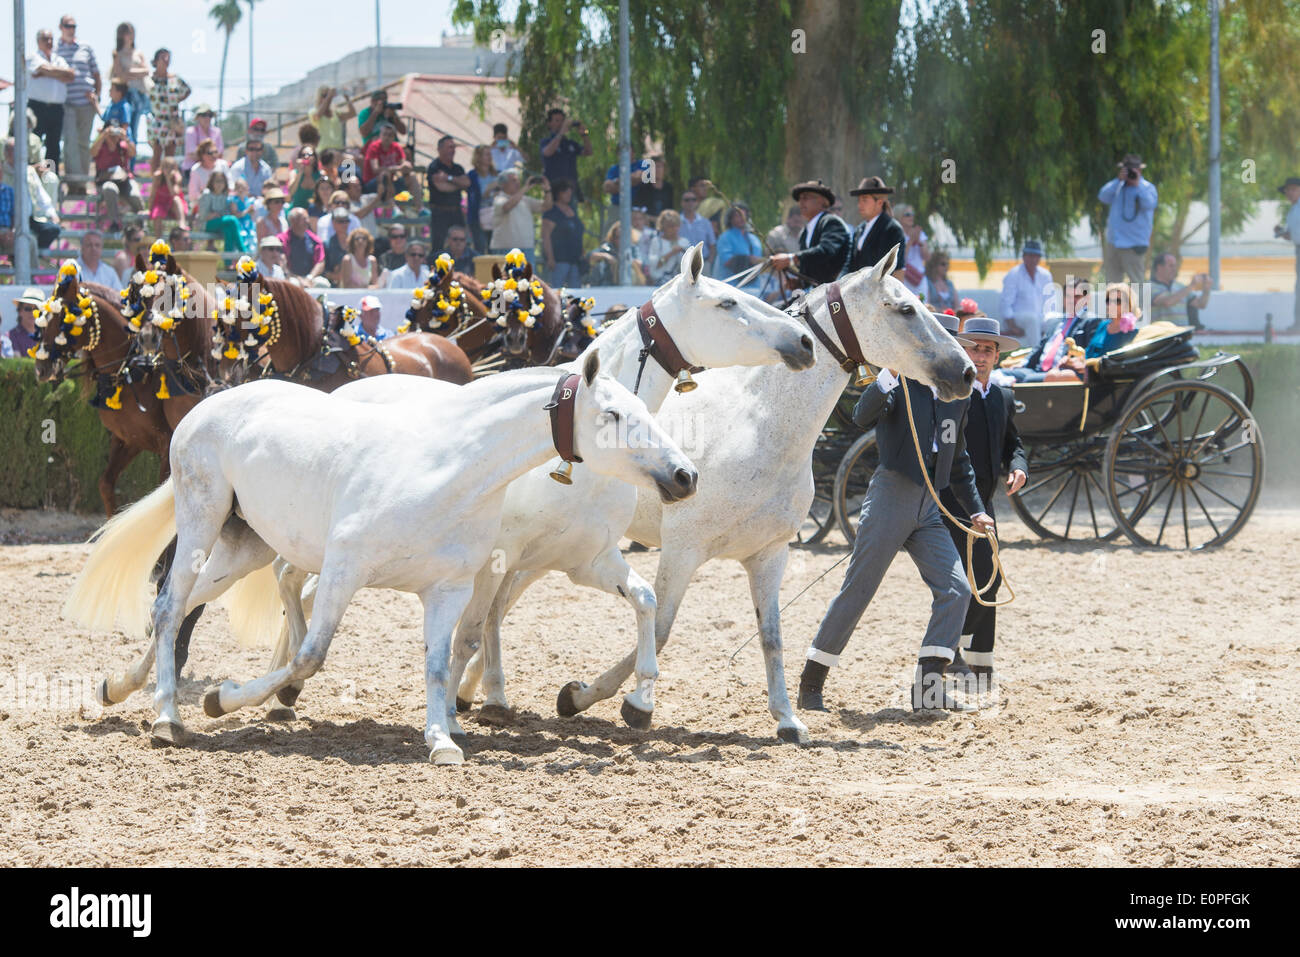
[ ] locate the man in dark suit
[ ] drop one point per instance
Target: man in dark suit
(824, 242)
(996, 454)
(898, 513)
(878, 232)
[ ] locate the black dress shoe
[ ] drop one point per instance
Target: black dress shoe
(810, 686)
(928, 692)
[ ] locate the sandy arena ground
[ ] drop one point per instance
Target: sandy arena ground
(1148, 717)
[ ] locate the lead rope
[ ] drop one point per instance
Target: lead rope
(977, 593)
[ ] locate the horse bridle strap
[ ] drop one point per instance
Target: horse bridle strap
(843, 329)
(561, 409)
(657, 342)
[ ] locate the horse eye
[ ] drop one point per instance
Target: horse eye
(614, 415)
(727, 303)
(907, 309)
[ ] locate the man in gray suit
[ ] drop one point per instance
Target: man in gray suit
(898, 513)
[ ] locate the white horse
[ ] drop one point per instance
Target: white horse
(576, 529)
(755, 430)
(358, 495)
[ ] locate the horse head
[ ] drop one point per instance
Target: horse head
(516, 301)
(895, 330)
(65, 323)
(714, 324)
(440, 304)
(157, 297)
(616, 435)
(580, 329)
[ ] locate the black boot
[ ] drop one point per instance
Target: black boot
(810, 686)
(928, 692)
(959, 668)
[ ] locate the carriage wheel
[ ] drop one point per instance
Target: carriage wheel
(851, 480)
(1193, 480)
(821, 514)
(1064, 498)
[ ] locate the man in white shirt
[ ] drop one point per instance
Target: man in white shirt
(1025, 294)
(413, 272)
(325, 225)
(505, 154)
(92, 266)
(47, 91)
(252, 169)
(270, 257)
(516, 214)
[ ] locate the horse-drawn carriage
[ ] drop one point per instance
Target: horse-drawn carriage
(1157, 443)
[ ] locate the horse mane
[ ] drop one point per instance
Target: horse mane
(301, 322)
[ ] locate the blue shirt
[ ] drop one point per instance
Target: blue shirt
(736, 242)
(563, 163)
(121, 112)
(6, 206)
(1104, 341)
(1132, 209)
(638, 167)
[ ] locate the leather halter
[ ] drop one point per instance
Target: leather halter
(658, 342)
(561, 409)
(851, 359)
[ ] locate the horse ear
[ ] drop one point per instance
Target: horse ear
(139, 262)
(172, 267)
(496, 271)
(528, 270)
(693, 263)
(591, 367)
(886, 265)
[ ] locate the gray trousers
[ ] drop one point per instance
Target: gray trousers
(898, 514)
(1117, 263)
(77, 122)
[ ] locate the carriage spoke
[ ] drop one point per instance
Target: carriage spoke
(1208, 518)
(1169, 442)
(1211, 490)
(1145, 506)
(1228, 474)
(1220, 429)
(1137, 488)
(1224, 453)
(1091, 480)
(1182, 496)
(1053, 499)
(1069, 518)
(1168, 509)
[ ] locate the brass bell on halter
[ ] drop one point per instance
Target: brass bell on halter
(563, 473)
(685, 383)
(863, 376)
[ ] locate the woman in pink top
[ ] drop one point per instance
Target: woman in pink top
(168, 201)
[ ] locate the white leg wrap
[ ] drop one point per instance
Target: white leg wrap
(822, 658)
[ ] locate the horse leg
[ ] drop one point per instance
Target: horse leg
(611, 573)
(494, 675)
(292, 632)
(467, 647)
(200, 519)
(120, 455)
(191, 619)
(339, 581)
(675, 571)
(443, 607)
(765, 570)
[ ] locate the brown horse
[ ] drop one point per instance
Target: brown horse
(124, 383)
(521, 345)
(301, 346)
(464, 319)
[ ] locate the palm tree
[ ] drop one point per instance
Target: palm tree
(226, 13)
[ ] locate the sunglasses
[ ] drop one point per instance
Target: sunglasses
(67, 26)
(414, 255)
(455, 239)
(689, 199)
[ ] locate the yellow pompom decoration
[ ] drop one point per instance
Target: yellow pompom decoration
(162, 392)
(511, 284)
(404, 327)
(403, 197)
(151, 277)
(231, 352)
(69, 268)
(354, 339)
(76, 330)
(114, 401)
(165, 323)
(160, 248)
(31, 352)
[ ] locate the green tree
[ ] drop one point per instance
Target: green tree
(227, 15)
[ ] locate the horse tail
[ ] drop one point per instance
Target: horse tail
(253, 606)
(114, 585)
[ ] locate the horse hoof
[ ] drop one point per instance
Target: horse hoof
(167, 732)
(794, 736)
(101, 695)
(565, 704)
(635, 717)
(281, 714)
(462, 705)
(288, 695)
(212, 704)
(495, 714)
(445, 755)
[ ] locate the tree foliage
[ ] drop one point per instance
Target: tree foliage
(1030, 103)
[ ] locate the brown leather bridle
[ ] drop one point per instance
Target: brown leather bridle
(656, 341)
(561, 408)
(851, 359)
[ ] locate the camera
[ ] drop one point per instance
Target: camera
(1131, 173)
